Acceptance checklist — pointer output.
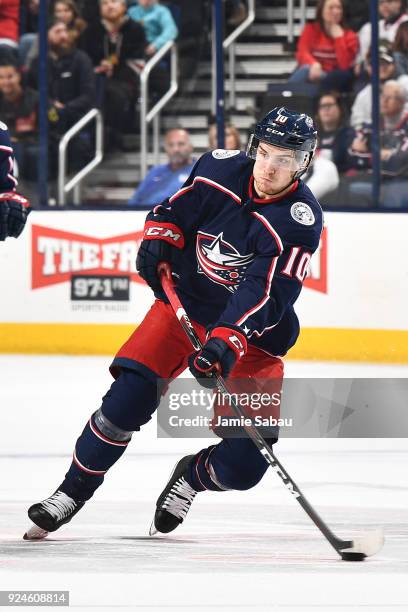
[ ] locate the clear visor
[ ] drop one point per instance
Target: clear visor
(282, 159)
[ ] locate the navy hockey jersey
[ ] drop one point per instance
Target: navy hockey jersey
(245, 258)
(7, 181)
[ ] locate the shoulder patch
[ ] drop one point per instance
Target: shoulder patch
(302, 213)
(3, 126)
(225, 153)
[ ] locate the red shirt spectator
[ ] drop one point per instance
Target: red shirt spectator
(315, 45)
(326, 51)
(9, 20)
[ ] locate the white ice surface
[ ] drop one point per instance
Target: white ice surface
(253, 550)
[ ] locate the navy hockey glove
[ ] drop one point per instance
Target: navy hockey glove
(162, 241)
(14, 210)
(219, 354)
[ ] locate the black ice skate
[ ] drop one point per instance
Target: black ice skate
(175, 500)
(49, 514)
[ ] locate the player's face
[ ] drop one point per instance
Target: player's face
(9, 80)
(273, 169)
(178, 147)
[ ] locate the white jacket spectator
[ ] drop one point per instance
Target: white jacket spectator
(324, 178)
(392, 13)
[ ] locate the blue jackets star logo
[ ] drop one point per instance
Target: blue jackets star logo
(220, 261)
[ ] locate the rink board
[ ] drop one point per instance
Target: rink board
(69, 285)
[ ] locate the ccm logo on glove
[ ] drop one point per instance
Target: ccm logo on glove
(236, 341)
(164, 231)
(238, 345)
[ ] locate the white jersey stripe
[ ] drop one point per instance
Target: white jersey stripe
(211, 183)
(6, 148)
(266, 296)
(270, 229)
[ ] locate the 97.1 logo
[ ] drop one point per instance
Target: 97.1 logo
(100, 288)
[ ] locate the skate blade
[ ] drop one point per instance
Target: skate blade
(35, 533)
(152, 530)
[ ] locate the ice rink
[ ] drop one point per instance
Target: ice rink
(254, 550)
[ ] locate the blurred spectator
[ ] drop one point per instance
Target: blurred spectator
(18, 104)
(30, 14)
(70, 79)
(361, 109)
(89, 10)
(232, 138)
(30, 29)
(9, 29)
(400, 48)
(71, 90)
(112, 42)
(19, 109)
(326, 49)
(392, 105)
(160, 28)
(357, 13)
(163, 181)
(236, 12)
(334, 133)
(157, 21)
(67, 11)
(393, 13)
(394, 149)
(193, 22)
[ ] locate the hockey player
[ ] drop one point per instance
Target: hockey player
(239, 235)
(14, 208)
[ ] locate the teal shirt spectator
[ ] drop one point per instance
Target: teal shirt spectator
(157, 21)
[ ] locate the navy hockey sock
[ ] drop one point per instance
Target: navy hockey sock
(94, 454)
(129, 404)
(234, 463)
(200, 474)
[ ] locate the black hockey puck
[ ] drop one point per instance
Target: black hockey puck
(353, 556)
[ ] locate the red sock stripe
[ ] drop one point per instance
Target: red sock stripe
(87, 470)
(99, 435)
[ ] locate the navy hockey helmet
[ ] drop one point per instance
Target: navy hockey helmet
(287, 129)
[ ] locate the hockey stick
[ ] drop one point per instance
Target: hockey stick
(358, 549)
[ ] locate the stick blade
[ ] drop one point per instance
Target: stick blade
(366, 545)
